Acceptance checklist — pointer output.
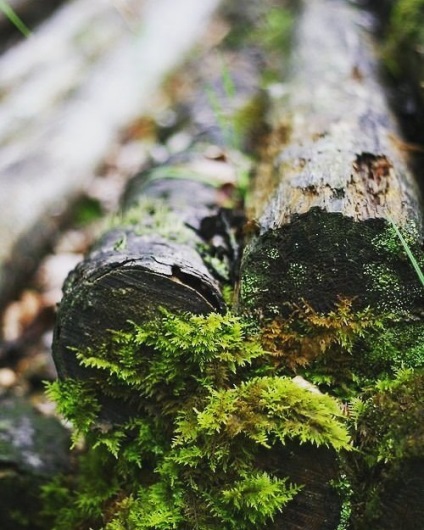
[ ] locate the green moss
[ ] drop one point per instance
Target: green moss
(250, 286)
(152, 217)
(399, 343)
(405, 32)
(86, 211)
(388, 241)
(387, 476)
(323, 256)
(75, 401)
(208, 405)
(387, 285)
(298, 274)
(344, 489)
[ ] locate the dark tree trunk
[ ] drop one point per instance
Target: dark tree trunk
(333, 178)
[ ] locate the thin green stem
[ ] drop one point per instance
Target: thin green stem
(408, 251)
(14, 18)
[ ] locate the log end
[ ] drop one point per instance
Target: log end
(319, 257)
(118, 286)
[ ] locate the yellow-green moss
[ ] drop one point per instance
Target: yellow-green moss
(209, 404)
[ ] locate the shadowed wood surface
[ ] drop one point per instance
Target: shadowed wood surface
(317, 506)
(332, 175)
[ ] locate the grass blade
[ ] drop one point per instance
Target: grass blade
(408, 251)
(14, 18)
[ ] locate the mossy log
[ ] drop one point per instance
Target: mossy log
(389, 479)
(334, 181)
(33, 450)
(170, 249)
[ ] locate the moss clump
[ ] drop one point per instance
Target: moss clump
(322, 256)
(209, 405)
(345, 350)
(307, 335)
(388, 477)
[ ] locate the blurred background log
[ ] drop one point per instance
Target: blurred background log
(30, 14)
(67, 92)
(33, 450)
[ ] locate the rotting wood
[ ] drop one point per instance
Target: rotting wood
(67, 92)
(177, 243)
(128, 276)
(332, 177)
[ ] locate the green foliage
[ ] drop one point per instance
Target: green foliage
(208, 406)
(306, 334)
(405, 31)
(263, 409)
(388, 433)
(344, 350)
(76, 401)
(87, 210)
(344, 487)
(389, 438)
(153, 216)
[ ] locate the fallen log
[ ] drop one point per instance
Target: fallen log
(58, 121)
(331, 196)
(333, 182)
(129, 276)
(159, 256)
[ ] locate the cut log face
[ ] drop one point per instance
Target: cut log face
(333, 181)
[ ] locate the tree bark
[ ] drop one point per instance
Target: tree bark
(332, 183)
(332, 180)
